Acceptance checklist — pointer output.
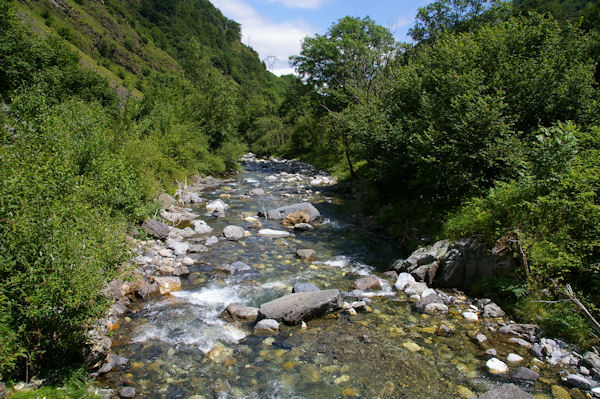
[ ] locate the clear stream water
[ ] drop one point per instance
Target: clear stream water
(178, 346)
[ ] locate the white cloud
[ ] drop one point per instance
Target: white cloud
(301, 3)
(268, 38)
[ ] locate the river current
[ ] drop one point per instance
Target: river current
(179, 346)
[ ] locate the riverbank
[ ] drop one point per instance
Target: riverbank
(379, 343)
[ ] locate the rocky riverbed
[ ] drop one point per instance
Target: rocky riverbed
(267, 286)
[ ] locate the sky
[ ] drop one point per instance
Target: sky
(276, 28)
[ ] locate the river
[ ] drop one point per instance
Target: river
(179, 346)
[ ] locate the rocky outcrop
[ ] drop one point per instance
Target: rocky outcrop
(458, 264)
(284, 211)
(295, 308)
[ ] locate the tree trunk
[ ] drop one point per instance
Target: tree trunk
(348, 159)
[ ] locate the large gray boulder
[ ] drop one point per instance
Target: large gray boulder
(281, 213)
(506, 391)
(155, 229)
(294, 308)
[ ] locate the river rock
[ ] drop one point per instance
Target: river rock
(273, 233)
(242, 312)
(470, 316)
(367, 283)
(216, 208)
(145, 290)
(391, 274)
(590, 360)
(127, 392)
(304, 287)
(525, 374)
(295, 218)
(429, 299)
(303, 227)
(520, 342)
(198, 248)
(201, 227)
(177, 215)
(295, 308)
(435, 308)
(415, 289)
(506, 391)
(527, 331)
(168, 284)
(233, 233)
(165, 200)
(256, 192)
(266, 327)
(306, 254)
(239, 266)
(178, 247)
(496, 366)
(514, 358)
(492, 310)
(281, 213)
(403, 280)
(155, 229)
(581, 382)
(210, 241)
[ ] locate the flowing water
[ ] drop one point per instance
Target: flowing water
(179, 347)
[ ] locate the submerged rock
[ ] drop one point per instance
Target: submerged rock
(306, 254)
(281, 213)
(295, 308)
(127, 392)
(303, 227)
(506, 391)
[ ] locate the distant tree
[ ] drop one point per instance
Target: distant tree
(343, 65)
(442, 15)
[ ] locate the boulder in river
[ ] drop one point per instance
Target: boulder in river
(242, 311)
(155, 229)
(216, 208)
(304, 287)
(201, 227)
(256, 192)
(367, 283)
(295, 218)
(496, 366)
(433, 298)
(525, 374)
(233, 233)
(281, 213)
(506, 391)
(526, 331)
(295, 308)
(403, 280)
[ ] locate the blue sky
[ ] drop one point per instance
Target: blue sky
(276, 27)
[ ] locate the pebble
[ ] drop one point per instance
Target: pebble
(496, 366)
(491, 352)
(480, 338)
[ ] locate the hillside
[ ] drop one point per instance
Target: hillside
(127, 40)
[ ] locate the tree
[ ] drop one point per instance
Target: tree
(442, 15)
(343, 66)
